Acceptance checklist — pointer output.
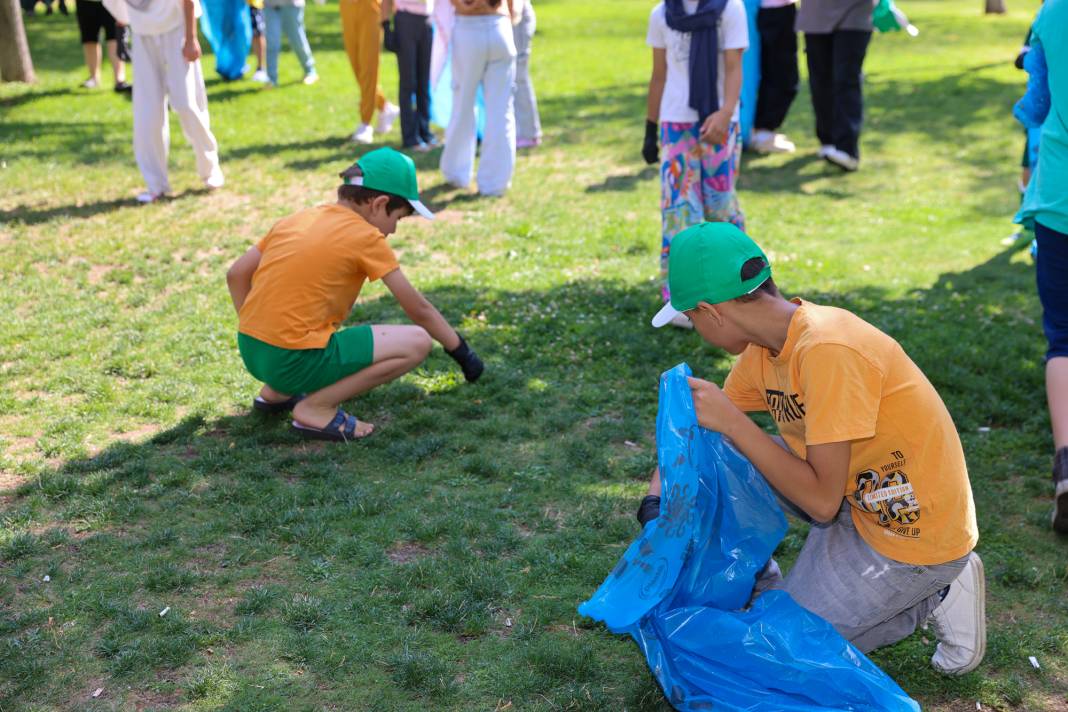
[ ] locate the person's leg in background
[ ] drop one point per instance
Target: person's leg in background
(681, 204)
(361, 31)
(423, 48)
(151, 127)
(819, 58)
(779, 78)
(848, 51)
(527, 119)
(468, 64)
(408, 27)
(497, 160)
(719, 179)
(259, 42)
(272, 14)
(189, 99)
(111, 41)
(293, 24)
(89, 28)
(1051, 274)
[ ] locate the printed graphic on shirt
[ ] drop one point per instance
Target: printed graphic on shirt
(890, 496)
(784, 408)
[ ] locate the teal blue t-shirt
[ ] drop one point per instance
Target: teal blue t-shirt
(1046, 199)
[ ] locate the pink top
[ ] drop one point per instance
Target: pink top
(416, 7)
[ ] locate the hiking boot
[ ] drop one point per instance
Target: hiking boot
(959, 622)
(1060, 482)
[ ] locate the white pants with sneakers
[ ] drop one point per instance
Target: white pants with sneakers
(164, 76)
(483, 53)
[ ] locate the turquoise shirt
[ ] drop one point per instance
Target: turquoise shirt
(1046, 199)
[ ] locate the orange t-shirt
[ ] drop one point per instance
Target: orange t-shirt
(839, 378)
(312, 268)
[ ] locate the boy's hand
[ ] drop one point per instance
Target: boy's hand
(469, 361)
(716, 128)
(714, 409)
(650, 150)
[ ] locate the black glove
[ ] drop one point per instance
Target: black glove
(469, 361)
(650, 150)
(389, 37)
(122, 46)
(648, 510)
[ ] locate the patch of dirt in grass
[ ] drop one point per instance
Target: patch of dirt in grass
(141, 433)
(139, 700)
(98, 272)
(404, 551)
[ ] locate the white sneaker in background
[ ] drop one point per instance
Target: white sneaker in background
(215, 181)
(386, 116)
(959, 622)
(145, 197)
(825, 149)
(261, 76)
(310, 78)
(842, 159)
(90, 83)
(364, 134)
(764, 141)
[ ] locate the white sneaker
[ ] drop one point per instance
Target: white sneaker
(145, 197)
(770, 142)
(90, 83)
(681, 321)
(310, 78)
(386, 116)
(364, 134)
(959, 622)
(215, 181)
(842, 159)
(261, 76)
(825, 150)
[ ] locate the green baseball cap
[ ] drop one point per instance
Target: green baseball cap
(705, 265)
(390, 171)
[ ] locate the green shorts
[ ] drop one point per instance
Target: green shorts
(294, 371)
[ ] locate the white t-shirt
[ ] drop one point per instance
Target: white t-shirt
(733, 34)
(150, 17)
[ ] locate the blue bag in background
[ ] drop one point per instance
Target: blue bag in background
(227, 26)
(679, 588)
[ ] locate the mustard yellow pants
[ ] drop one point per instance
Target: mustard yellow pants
(361, 30)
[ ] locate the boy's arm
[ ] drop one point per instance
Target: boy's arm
(815, 484)
(420, 310)
(387, 10)
(239, 276)
(718, 124)
(650, 149)
(191, 48)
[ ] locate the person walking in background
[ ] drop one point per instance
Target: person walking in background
(414, 36)
(1045, 206)
(361, 31)
(483, 54)
(837, 33)
(287, 15)
(778, 75)
(527, 120)
(696, 114)
(166, 53)
(92, 18)
(259, 40)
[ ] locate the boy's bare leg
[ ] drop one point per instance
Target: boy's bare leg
(398, 349)
(272, 396)
(654, 484)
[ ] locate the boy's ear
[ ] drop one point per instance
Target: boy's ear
(711, 311)
(380, 202)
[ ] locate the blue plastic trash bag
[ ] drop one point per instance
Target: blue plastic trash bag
(227, 26)
(679, 590)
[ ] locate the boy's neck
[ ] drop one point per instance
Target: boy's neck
(770, 325)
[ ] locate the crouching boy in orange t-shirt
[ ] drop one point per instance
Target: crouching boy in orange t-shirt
(869, 454)
(295, 287)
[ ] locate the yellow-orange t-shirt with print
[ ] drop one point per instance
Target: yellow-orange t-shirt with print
(312, 267)
(838, 379)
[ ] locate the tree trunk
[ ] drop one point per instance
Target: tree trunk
(995, 7)
(15, 62)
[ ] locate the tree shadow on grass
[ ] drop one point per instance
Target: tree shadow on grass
(30, 215)
(571, 377)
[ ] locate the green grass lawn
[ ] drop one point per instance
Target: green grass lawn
(438, 565)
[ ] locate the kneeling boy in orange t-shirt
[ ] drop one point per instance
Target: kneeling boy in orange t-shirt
(295, 287)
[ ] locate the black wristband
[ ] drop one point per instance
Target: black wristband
(648, 510)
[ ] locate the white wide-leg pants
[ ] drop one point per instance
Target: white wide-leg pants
(483, 53)
(164, 76)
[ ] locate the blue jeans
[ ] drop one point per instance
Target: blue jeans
(291, 19)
